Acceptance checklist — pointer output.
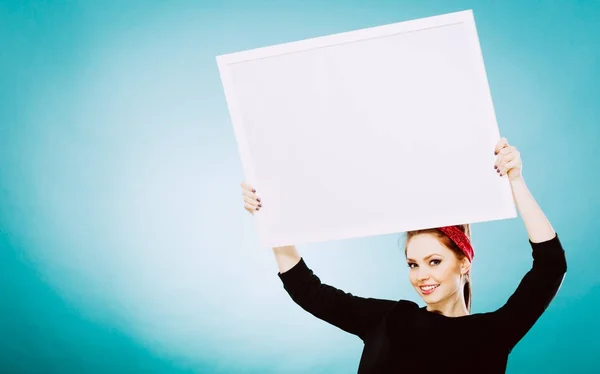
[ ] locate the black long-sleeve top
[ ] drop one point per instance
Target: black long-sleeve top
(401, 337)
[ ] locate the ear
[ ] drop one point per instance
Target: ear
(465, 266)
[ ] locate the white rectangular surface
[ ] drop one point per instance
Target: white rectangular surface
(369, 132)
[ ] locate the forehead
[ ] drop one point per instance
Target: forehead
(423, 245)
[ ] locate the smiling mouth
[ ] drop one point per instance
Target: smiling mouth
(426, 290)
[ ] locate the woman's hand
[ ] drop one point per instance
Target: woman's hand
(252, 202)
(287, 256)
(508, 160)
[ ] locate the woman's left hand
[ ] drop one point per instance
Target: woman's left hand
(508, 160)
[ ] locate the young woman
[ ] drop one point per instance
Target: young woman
(442, 337)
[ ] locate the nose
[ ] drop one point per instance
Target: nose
(422, 274)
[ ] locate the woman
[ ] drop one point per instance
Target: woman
(443, 336)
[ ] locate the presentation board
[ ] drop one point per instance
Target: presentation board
(368, 132)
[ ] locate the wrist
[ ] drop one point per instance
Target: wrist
(517, 181)
(518, 188)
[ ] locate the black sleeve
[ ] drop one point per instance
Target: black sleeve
(535, 292)
(350, 313)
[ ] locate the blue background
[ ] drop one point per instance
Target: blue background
(124, 245)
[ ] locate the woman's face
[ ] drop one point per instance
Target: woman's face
(435, 271)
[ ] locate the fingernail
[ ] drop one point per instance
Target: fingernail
(256, 208)
(258, 200)
(495, 153)
(253, 190)
(260, 205)
(500, 174)
(495, 166)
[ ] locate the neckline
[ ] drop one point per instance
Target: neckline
(440, 315)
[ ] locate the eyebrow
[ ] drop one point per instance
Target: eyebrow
(426, 258)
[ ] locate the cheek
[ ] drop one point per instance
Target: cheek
(443, 273)
(451, 277)
(412, 277)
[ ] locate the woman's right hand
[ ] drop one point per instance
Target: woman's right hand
(252, 203)
(286, 256)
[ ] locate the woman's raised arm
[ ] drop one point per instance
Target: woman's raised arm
(540, 285)
(509, 163)
(353, 314)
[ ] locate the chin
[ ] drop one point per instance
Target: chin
(434, 298)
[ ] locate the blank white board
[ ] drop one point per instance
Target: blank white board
(369, 132)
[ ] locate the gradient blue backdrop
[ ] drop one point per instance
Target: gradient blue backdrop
(124, 245)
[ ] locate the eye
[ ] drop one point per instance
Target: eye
(435, 262)
(412, 265)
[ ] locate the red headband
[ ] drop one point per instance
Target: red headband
(460, 239)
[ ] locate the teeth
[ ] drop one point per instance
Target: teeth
(429, 288)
